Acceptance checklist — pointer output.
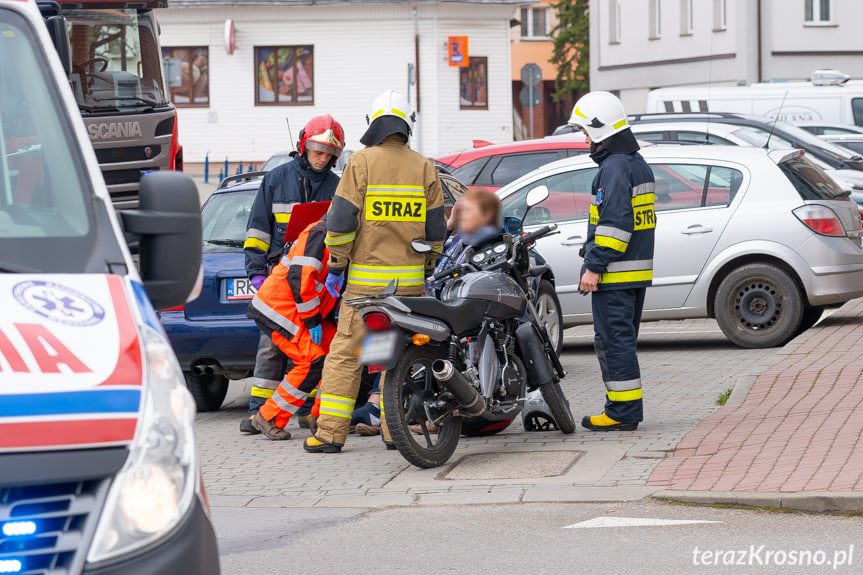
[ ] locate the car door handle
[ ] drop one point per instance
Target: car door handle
(696, 229)
(572, 241)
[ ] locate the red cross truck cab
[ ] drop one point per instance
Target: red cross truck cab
(99, 471)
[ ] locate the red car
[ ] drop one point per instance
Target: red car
(493, 166)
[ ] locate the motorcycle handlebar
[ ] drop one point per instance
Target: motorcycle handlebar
(536, 234)
(444, 273)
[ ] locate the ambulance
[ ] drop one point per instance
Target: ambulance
(99, 472)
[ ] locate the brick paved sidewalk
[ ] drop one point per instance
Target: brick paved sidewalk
(800, 429)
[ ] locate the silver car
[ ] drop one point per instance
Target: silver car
(761, 240)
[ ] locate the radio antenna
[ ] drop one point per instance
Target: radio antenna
(291, 134)
(776, 119)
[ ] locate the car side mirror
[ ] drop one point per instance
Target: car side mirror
(168, 225)
(421, 246)
(60, 38)
(512, 226)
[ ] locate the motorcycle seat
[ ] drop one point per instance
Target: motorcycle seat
(460, 317)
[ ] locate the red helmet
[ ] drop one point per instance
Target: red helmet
(322, 134)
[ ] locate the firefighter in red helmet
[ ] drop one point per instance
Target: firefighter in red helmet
(308, 177)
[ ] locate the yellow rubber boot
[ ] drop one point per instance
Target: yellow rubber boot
(314, 444)
(604, 423)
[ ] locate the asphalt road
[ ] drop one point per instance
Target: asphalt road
(534, 539)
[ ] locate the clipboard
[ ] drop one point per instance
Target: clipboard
(302, 215)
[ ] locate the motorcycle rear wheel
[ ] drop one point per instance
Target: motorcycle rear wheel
(558, 404)
(406, 387)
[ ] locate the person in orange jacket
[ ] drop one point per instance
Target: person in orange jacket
(296, 308)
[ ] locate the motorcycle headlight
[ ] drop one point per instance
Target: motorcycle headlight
(154, 490)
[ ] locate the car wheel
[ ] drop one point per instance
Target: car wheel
(550, 314)
(758, 306)
(209, 391)
(810, 318)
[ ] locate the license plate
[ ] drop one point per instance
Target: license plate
(239, 289)
(379, 348)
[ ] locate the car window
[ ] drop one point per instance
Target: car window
(722, 185)
(702, 138)
(854, 146)
(653, 136)
(275, 161)
(514, 166)
(224, 218)
(468, 172)
(758, 137)
(678, 186)
(857, 109)
(809, 180)
(836, 132)
(569, 198)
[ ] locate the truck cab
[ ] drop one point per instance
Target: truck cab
(99, 471)
(113, 61)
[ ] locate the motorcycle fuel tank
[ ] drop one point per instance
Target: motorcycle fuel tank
(504, 298)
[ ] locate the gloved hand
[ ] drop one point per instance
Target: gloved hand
(317, 334)
(334, 282)
(258, 281)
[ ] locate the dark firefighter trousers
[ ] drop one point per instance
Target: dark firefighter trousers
(616, 319)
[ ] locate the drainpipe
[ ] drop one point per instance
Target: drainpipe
(758, 23)
(417, 131)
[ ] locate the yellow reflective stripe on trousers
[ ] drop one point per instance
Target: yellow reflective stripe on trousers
(631, 395)
(383, 275)
(337, 240)
(261, 392)
(337, 406)
(609, 242)
(256, 243)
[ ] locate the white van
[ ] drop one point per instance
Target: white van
(99, 470)
(830, 98)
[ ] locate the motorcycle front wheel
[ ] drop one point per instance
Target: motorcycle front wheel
(558, 404)
(408, 388)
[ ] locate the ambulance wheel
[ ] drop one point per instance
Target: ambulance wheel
(209, 391)
(759, 306)
(550, 315)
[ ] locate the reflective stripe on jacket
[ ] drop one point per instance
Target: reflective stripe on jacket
(388, 196)
(620, 234)
(294, 296)
(281, 189)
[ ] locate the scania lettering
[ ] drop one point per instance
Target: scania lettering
(114, 64)
(99, 472)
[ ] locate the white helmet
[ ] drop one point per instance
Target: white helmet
(600, 114)
(391, 103)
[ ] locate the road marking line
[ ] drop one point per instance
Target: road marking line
(598, 522)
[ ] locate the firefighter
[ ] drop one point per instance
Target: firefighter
(295, 308)
(618, 254)
(388, 196)
(307, 178)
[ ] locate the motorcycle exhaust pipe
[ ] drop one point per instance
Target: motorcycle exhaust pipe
(469, 399)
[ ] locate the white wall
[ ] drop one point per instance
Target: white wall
(359, 51)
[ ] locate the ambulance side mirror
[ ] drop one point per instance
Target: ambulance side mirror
(168, 227)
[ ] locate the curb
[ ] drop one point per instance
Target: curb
(812, 501)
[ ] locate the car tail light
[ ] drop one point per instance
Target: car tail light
(820, 219)
(377, 321)
(178, 308)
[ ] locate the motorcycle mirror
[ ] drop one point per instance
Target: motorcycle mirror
(537, 195)
(421, 246)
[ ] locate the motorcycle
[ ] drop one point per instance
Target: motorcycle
(473, 354)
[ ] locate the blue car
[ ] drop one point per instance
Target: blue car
(211, 335)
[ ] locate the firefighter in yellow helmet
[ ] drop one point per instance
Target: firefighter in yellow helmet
(388, 196)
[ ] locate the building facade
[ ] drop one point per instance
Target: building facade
(639, 45)
(245, 69)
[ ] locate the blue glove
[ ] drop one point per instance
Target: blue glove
(317, 334)
(258, 281)
(334, 282)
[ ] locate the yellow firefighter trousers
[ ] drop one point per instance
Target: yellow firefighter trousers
(340, 381)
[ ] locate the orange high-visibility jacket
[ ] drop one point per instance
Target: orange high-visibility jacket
(293, 297)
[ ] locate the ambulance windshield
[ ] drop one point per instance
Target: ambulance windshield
(43, 196)
(116, 64)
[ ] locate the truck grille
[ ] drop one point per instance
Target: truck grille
(115, 177)
(42, 527)
(129, 154)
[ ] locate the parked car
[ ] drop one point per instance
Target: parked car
(843, 165)
(851, 141)
(824, 129)
(495, 165)
(761, 240)
(214, 340)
